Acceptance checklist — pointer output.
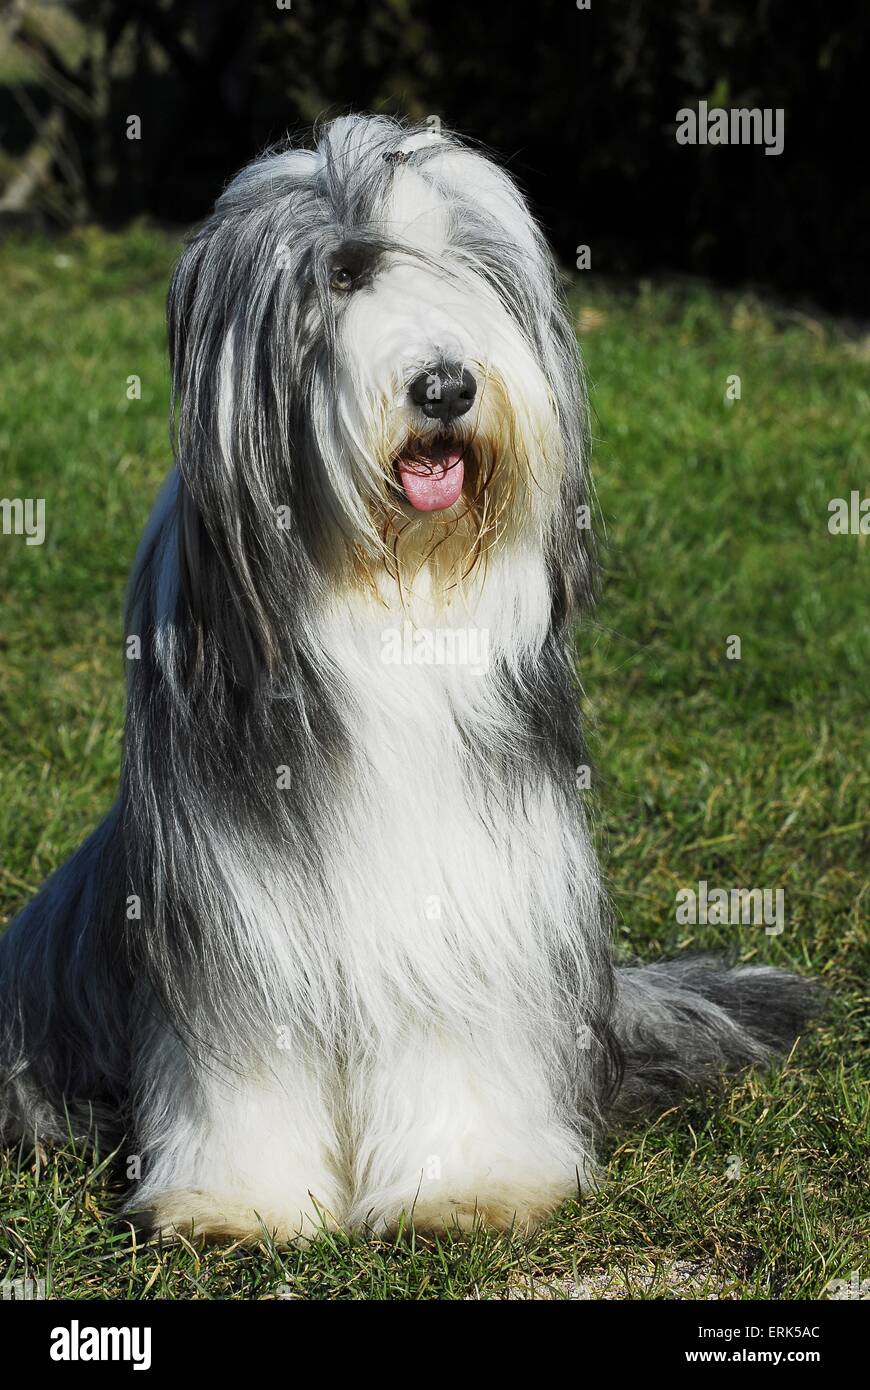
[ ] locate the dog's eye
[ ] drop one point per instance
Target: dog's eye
(341, 279)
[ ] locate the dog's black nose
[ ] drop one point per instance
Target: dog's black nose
(444, 393)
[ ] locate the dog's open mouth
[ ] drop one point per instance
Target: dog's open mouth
(431, 474)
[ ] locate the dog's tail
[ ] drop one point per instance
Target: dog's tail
(680, 1023)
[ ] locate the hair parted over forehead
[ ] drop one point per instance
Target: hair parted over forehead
(289, 395)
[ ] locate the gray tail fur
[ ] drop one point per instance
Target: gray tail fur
(681, 1023)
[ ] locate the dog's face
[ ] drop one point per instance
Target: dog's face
(367, 336)
(443, 408)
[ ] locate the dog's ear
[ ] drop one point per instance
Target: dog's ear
(572, 551)
(223, 635)
(226, 522)
(572, 558)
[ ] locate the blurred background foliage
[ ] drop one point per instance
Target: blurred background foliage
(582, 103)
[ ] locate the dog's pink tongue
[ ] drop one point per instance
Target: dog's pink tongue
(433, 484)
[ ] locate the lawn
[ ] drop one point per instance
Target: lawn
(749, 772)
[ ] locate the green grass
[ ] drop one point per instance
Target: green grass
(746, 773)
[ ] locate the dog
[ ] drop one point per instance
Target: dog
(339, 956)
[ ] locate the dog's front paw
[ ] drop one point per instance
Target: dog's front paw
(521, 1210)
(466, 1214)
(195, 1214)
